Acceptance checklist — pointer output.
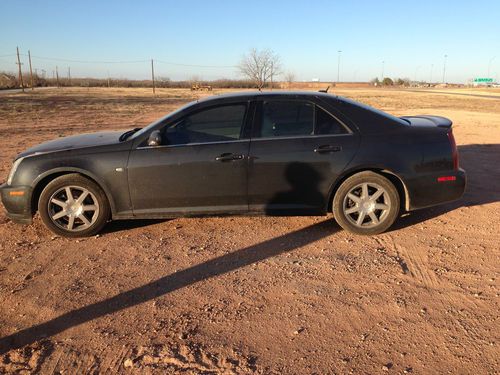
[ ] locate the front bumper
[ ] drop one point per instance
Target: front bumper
(427, 191)
(17, 203)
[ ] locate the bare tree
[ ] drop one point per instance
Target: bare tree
(260, 66)
(290, 78)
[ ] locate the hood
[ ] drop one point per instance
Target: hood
(74, 142)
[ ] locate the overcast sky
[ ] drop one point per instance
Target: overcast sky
(412, 37)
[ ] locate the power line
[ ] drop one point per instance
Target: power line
(195, 65)
(89, 61)
(126, 62)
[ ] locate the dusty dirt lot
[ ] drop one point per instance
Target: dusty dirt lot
(253, 294)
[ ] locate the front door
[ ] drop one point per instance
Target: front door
(200, 167)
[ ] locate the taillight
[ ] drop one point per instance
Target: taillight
(454, 150)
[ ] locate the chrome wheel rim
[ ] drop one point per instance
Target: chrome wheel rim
(73, 208)
(366, 205)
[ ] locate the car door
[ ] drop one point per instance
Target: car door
(297, 150)
(200, 166)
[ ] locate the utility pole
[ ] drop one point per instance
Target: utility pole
(383, 66)
(69, 75)
(444, 67)
(338, 66)
(20, 72)
(432, 68)
(153, 75)
(416, 73)
(489, 66)
(57, 76)
(31, 71)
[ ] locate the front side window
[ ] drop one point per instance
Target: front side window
(216, 124)
(286, 119)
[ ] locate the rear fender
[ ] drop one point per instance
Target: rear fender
(397, 180)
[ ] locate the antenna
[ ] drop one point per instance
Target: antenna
(326, 90)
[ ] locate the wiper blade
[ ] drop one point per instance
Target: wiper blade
(127, 134)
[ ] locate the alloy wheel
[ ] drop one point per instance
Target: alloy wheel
(366, 205)
(73, 208)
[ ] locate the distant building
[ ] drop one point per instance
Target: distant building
(315, 80)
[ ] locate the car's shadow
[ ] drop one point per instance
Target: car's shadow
(124, 225)
(172, 282)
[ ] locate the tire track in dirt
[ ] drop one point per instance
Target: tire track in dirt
(69, 360)
(417, 264)
(49, 357)
(111, 364)
(449, 298)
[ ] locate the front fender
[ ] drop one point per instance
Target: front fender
(108, 169)
(44, 178)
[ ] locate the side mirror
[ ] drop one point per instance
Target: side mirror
(154, 139)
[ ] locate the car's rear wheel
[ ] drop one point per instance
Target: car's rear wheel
(73, 206)
(366, 203)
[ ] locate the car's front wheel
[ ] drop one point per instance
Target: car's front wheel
(366, 203)
(73, 206)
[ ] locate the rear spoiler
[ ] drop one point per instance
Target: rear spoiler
(441, 122)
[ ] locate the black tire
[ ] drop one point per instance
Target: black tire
(360, 211)
(74, 218)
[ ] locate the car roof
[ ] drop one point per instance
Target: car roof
(266, 94)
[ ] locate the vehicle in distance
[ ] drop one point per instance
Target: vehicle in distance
(275, 153)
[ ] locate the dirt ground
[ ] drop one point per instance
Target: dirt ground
(258, 295)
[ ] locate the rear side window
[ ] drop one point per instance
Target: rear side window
(327, 124)
(286, 119)
(215, 124)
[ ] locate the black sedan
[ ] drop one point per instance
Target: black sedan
(280, 153)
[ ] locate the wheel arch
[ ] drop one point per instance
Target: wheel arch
(390, 175)
(45, 178)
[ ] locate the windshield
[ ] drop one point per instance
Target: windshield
(153, 124)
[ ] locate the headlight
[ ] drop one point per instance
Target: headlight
(13, 170)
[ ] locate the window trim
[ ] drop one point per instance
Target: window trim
(195, 144)
(312, 136)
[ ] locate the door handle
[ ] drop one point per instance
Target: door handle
(229, 157)
(327, 148)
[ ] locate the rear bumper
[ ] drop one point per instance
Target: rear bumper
(17, 203)
(429, 191)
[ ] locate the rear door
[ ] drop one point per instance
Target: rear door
(200, 167)
(297, 151)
